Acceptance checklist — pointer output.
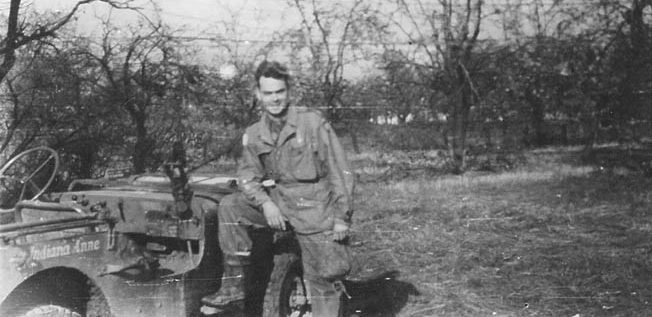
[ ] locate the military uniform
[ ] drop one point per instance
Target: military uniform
(303, 170)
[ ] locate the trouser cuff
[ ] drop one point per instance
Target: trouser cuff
(238, 259)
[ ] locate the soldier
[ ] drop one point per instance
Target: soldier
(292, 169)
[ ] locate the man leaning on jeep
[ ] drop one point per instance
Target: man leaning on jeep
(292, 169)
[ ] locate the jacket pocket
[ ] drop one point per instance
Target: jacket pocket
(303, 162)
(311, 214)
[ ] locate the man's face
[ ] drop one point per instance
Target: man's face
(273, 94)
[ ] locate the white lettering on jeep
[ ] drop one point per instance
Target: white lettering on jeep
(63, 248)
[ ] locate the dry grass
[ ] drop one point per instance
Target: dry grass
(550, 239)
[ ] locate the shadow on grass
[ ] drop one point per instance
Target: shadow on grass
(380, 296)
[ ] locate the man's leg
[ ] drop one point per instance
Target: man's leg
(235, 214)
(325, 264)
(324, 298)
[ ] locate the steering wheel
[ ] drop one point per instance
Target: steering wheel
(31, 171)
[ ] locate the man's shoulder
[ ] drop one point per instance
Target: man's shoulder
(252, 133)
(311, 115)
(254, 128)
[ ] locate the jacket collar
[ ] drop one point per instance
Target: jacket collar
(288, 130)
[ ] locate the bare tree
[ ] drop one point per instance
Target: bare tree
(143, 75)
(55, 102)
(22, 32)
(445, 38)
(406, 91)
(331, 34)
(17, 118)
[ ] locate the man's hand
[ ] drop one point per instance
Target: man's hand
(340, 232)
(273, 216)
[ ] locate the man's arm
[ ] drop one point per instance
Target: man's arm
(340, 177)
(250, 174)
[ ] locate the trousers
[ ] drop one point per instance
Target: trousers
(324, 261)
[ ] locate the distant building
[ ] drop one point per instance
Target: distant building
(391, 119)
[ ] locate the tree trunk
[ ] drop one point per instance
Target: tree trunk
(559, 100)
(141, 147)
(354, 139)
(564, 133)
(9, 56)
(87, 160)
(461, 121)
(538, 114)
(460, 126)
(9, 136)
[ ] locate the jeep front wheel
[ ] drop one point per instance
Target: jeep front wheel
(50, 311)
(286, 295)
(56, 292)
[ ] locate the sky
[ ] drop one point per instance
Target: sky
(256, 18)
(250, 21)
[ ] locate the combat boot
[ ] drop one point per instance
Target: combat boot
(232, 289)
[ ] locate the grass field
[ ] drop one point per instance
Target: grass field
(549, 238)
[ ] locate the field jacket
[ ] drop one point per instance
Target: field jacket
(304, 171)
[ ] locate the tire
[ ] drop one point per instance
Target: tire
(58, 295)
(285, 295)
(97, 305)
(50, 311)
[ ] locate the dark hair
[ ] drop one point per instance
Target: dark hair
(272, 70)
